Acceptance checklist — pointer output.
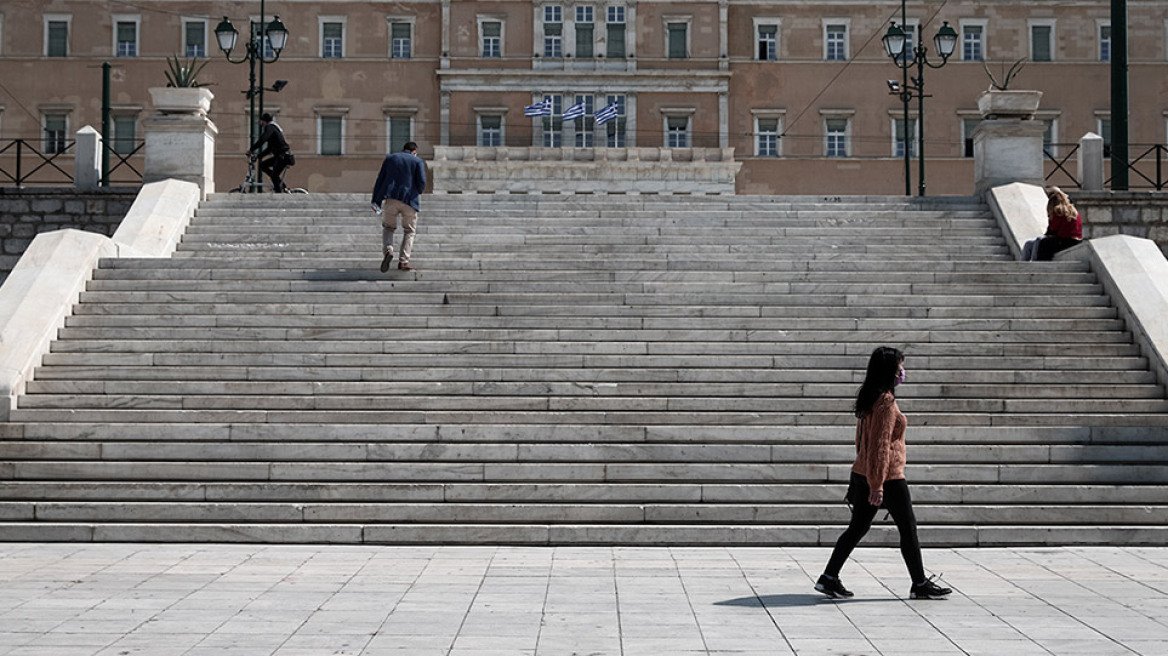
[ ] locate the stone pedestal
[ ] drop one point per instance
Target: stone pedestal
(1006, 151)
(180, 139)
(87, 159)
(1091, 162)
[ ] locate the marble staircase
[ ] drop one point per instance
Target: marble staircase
(583, 370)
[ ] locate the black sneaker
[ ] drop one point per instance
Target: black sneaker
(832, 587)
(385, 262)
(928, 590)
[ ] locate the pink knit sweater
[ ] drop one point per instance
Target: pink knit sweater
(880, 452)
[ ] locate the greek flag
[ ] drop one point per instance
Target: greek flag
(607, 114)
(574, 112)
(542, 108)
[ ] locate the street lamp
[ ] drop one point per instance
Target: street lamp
(895, 41)
(273, 33)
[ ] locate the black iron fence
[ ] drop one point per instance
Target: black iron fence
(26, 162)
(1146, 170)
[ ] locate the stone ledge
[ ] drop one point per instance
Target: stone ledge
(1020, 209)
(48, 279)
(584, 170)
(1134, 272)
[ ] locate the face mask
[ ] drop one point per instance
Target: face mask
(899, 378)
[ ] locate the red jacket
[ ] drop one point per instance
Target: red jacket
(1060, 226)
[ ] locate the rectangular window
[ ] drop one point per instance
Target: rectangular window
(1040, 43)
(766, 143)
(835, 42)
(398, 131)
(1104, 43)
(614, 130)
(768, 42)
(127, 39)
(553, 31)
(490, 131)
(125, 134)
(401, 40)
(332, 40)
(1048, 132)
(898, 133)
(615, 32)
(1105, 132)
(972, 43)
(968, 125)
(195, 38)
(332, 137)
(910, 37)
(492, 38)
(585, 31)
(837, 137)
(57, 38)
(585, 125)
(553, 126)
(256, 30)
(677, 34)
(677, 132)
(56, 127)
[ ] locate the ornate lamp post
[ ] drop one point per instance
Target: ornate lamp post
(894, 44)
(273, 33)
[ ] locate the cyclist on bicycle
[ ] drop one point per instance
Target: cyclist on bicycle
(275, 152)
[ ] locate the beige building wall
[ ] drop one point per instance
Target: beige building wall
(446, 87)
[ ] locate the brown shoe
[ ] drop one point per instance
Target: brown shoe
(404, 267)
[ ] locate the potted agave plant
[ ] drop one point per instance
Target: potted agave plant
(183, 93)
(1001, 102)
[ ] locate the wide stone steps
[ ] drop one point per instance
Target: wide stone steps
(583, 369)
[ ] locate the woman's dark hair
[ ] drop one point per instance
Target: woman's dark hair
(883, 367)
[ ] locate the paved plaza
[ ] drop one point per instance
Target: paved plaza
(248, 600)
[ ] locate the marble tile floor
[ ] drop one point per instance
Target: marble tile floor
(254, 600)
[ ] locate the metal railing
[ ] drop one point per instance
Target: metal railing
(1147, 170)
(24, 162)
(1059, 174)
(1153, 159)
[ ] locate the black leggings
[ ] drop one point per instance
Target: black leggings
(898, 503)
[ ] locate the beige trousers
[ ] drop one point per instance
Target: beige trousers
(409, 224)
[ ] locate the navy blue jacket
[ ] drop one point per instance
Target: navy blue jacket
(402, 177)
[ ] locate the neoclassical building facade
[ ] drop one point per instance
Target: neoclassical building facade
(797, 92)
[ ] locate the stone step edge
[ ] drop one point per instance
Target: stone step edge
(579, 534)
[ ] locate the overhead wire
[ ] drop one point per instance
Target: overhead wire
(850, 60)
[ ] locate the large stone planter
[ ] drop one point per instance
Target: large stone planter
(180, 139)
(1007, 143)
(998, 104)
(181, 100)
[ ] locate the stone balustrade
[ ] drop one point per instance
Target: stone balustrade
(461, 169)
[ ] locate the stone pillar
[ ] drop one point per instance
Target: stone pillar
(1091, 162)
(87, 159)
(1007, 144)
(180, 139)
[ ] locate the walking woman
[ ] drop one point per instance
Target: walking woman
(878, 478)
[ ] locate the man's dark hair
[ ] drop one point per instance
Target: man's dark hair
(410, 146)
(266, 117)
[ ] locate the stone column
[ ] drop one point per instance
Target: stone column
(180, 139)
(1091, 162)
(87, 159)
(1007, 144)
